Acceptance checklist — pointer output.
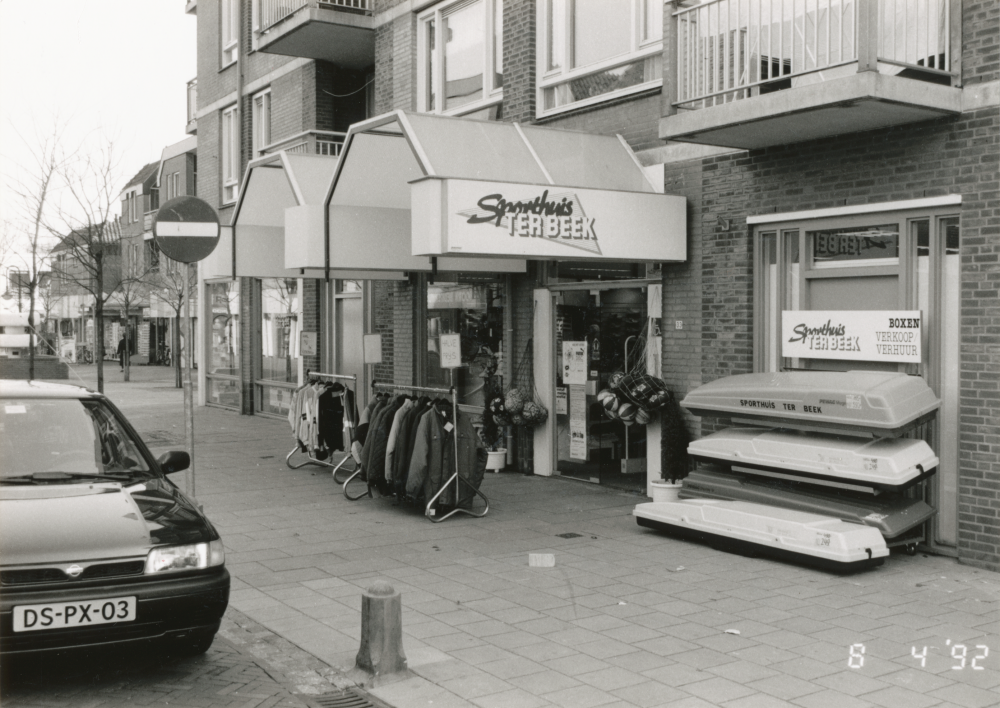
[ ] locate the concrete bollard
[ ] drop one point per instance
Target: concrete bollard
(381, 651)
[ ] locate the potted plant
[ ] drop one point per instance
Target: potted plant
(674, 457)
(494, 414)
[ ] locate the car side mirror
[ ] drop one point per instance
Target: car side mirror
(174, 461)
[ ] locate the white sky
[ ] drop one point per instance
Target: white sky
(117, 67)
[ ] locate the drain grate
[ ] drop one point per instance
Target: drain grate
(348, 698)
(569, 535)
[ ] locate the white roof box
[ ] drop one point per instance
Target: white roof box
(894, 515)
(880, 404)
(887, 464)
(801, 537)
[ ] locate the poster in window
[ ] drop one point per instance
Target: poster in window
(574, 362)
(578, 439)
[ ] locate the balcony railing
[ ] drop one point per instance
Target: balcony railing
(274, 11)
(310, 142)
(733, 49)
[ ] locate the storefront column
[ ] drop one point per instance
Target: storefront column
(544, 367)
(249, 327)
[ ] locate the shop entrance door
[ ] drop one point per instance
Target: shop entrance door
(598, 333)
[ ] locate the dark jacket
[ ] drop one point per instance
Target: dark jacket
(433, 460)
(378, 436)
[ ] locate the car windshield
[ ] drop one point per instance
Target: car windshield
(63, 439)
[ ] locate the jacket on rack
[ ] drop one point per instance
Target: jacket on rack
(404, 444)
(432, 462)
(337, 418)
(393, 440)
(380, 443)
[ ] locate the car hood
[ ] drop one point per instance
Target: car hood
(80, 522)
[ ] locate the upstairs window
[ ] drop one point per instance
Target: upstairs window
(460, 48)
(230, 155)
(588, 54)
(229, 10)
(261, 122)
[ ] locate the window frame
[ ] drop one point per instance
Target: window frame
(640, 50)
(492, 95)
(229, 21)
(260, 121)
(229, 135)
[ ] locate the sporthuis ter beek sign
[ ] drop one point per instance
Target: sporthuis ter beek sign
(459, 217)
(870, 335)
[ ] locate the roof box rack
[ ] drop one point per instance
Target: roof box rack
(864, 464)
(868, 403)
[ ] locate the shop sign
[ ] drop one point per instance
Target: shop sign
(868, 335)
(545, 221)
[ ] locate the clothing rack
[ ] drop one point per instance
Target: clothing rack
(429, 511)
(310, 460)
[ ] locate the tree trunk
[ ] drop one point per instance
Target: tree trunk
(99, 320)
(127, 360)
(31, 330)
(177, 350)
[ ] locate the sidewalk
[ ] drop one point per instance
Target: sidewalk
(627, 617)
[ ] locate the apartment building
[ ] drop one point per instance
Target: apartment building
(777, 159)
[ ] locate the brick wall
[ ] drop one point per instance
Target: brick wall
(636, 118)
(383, 68)
(519, 22)
(404, 62)
(980, 41)
(383, 321)
(403, 294)
(312, 320)
(682, 349)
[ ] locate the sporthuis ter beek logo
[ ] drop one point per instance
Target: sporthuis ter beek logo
(557, 217)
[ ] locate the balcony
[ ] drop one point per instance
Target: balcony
(337, 31)
(310, 142)
(192, 107)
(755, 73)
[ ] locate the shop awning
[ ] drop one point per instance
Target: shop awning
(462, 190)
(280, 200)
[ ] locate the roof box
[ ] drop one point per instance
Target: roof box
(872, 403)
(893, 515)
(885, 464)
(822, 541)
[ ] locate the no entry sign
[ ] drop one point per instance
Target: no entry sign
(186, 229)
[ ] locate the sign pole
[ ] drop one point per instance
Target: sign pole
(186, 229)
(188, 389)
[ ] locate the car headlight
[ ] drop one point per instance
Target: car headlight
(191, 557)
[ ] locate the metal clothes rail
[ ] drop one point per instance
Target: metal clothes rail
(429, 511)
(313, 376)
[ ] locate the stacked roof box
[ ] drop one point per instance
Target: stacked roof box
(825, 445)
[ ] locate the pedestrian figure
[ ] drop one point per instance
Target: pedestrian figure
(121, 352)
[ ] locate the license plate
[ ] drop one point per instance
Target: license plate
(62, 615)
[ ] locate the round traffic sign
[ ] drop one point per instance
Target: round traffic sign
(186, 229)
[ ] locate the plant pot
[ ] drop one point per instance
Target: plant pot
(664, 491)
(496, 460)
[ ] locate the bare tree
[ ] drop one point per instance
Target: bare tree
(138, 278)
(32, 198)
(170, 286)
(92, 248)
